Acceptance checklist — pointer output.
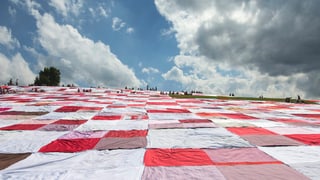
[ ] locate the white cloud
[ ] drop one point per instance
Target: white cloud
(80, 59)
(92, 11)
(60, 6)
(14, 1)
(150, 70)
(117, 24)
(15, 68)
(130, 30)
(6, 38)
(30, 5)
(211, 77)
(176, 74)
(12, 11)
(99, 12)
(167, 32)
(184, 23)
(66, 7)
(103, 11)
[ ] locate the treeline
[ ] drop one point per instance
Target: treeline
(49, 76)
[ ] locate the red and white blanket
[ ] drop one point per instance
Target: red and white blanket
(104, 134)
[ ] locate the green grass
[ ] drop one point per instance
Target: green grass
(239, 98)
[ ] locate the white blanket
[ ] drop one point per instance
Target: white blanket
(26, 141)
(304, 159)
(116, 164)
(294, 154)
(172, 116)
(194, 138)
(92, 125)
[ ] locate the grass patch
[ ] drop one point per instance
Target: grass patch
(240, 98)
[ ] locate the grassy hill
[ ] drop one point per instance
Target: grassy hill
(240, 98)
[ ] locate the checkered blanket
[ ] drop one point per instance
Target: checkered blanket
(125, 134)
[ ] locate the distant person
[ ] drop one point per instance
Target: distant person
(299, 99)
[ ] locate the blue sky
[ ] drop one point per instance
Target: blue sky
(133, 32)
(249, 48)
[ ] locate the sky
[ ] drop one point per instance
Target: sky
(245, 47)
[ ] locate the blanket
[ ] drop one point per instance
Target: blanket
(127, 134)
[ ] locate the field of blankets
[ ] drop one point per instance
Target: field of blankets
(61, 133)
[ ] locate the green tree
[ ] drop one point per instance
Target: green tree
(50, 76)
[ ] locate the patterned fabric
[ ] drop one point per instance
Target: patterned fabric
(108, 133)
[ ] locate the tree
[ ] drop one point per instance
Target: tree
(50, 76)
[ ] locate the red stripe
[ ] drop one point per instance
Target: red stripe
(127, 134)
(113, 117)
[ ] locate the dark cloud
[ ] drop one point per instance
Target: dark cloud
(292, 42)
(284, 40)
(281, 38)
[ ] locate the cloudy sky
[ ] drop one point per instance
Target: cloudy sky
(249, 47)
